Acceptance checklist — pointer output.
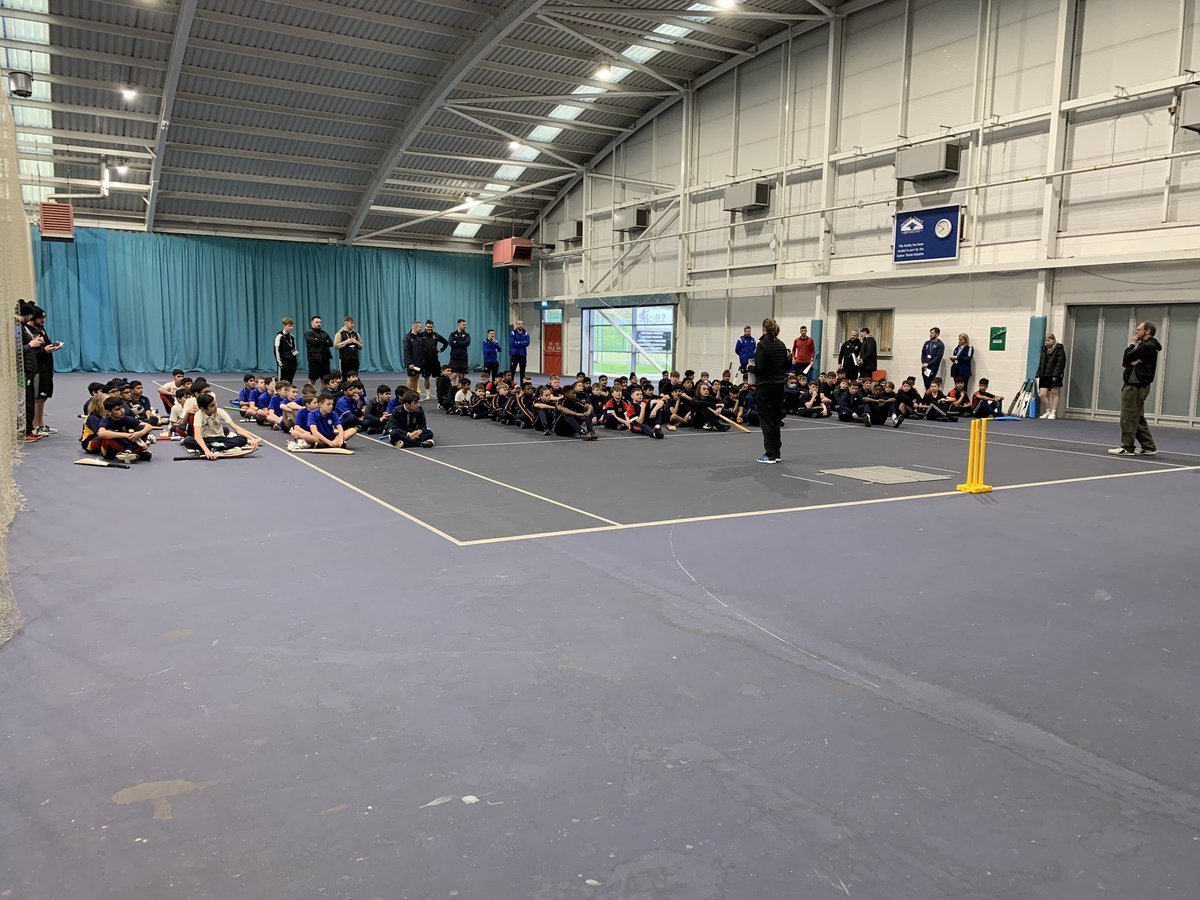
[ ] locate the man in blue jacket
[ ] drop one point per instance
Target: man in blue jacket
(414, 356)
(491, 355)
(744, 348)
(931, 356)
(459, 342)
(518, 350)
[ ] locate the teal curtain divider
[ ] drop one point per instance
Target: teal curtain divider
(127, 301)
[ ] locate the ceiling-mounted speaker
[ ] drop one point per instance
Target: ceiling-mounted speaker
(56, 221)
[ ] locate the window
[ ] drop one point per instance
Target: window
(878, 320)
(609, 337)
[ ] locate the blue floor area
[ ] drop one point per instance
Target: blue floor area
(246, 679)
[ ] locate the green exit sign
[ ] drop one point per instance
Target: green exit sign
(998, 339)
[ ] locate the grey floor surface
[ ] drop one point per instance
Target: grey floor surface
(247, 679)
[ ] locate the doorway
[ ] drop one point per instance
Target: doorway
(1096, 339)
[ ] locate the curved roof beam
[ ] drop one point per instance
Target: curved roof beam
(183, 27)
(480, 47)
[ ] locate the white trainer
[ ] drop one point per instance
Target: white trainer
(1051, 415)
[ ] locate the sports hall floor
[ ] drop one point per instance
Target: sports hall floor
(527, 667)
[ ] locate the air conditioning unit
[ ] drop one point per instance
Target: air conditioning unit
(1188, 114)
(571, 233)
(511, 252)
(633, 219)
(747, 195)
(926, 162)
(56, 221)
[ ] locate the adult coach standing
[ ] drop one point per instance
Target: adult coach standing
(518, 350)
(868, 354)
(286, 354)
(848, 356)
(414, 356)
(320, 350)
(349, 346)
(804, 351)
(770, 367)
(1141, 362)
(433, 365)
(460, 341)
(932, 352)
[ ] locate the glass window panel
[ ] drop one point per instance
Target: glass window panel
(1118, 326)
(1082, 352)
(1175, 365)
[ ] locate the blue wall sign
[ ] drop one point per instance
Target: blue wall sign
(925, 235)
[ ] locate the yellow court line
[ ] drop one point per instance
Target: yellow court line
(719, 517)
(363, 493)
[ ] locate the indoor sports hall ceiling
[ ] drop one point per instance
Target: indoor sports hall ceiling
(356, 121)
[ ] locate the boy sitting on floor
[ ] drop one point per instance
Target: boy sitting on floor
(244, 401)
(851, 407)
(211, 429)
(642, 415)
(961, 402)
(348, 409)
(937, 404)
(166, 392)
(574, 417)
(462, 398)
(445, 390)
(375, 413)
(407, 426)
(987, 404)
(323, 427)
(121, 436)
(301, 436)
(262, 403)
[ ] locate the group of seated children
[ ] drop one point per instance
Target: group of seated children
(865, 402)
(119, 421)
(578, 409)
(329, 415)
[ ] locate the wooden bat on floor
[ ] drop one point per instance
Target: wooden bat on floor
(245, 451)
(733, 423)
(101, 463)
(341, 451)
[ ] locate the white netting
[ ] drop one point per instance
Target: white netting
(16, 281)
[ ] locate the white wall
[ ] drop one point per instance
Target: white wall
(980, 71)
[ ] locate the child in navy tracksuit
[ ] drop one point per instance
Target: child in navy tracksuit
(491, 355)
(375, 413)
(407, 426)
(121, 436)
(851, 407)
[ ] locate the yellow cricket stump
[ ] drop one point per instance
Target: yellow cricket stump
(976, 456)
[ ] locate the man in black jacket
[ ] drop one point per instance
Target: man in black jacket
(460, 341)
(286, 354)
(848, 356)
(770, 367)
(433, 366)
(414, 356)
(1141, 363)
(320, 350)
(868, 354)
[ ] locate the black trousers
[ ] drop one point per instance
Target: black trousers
(770, 414)
(518, 362)
(317, 370)
(29, 398)
(287, 372)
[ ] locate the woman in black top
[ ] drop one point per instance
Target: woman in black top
(771, 364)
(1051, 368)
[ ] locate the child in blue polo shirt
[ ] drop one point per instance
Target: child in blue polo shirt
(323, 426)
(348, 409)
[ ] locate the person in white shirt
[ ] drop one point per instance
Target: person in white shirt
(214, 432)
(462, 397)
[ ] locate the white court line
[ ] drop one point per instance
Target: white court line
(994, 443)
(813, 480)
(511, 487)
(363, 493)
(935, 468)
(845, 504)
